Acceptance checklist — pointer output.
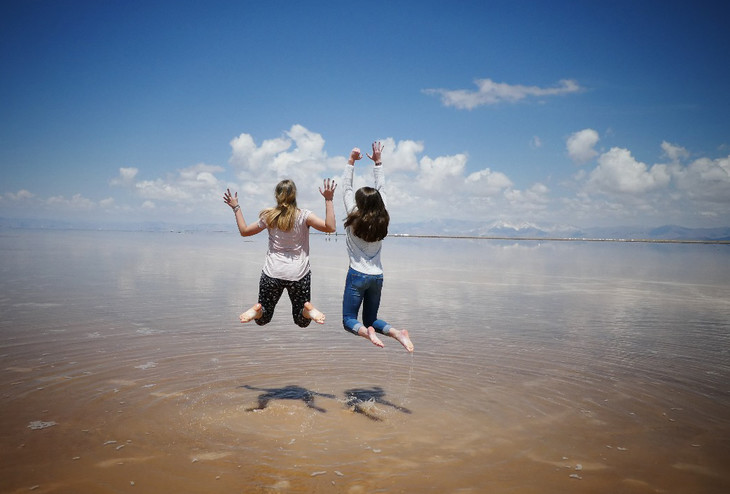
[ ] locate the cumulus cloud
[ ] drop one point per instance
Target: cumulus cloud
(192, 190)
(487, 182)
(300, 152)
(403, 155)
(442, 172)
(422, 186)
(490, 93)
(623, 188)
(190, 185)
(531, 200)
(418, 185)
(619, 172)
(706, 180)
(581, 144)
(298, 155)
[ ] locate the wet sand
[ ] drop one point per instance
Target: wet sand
(539, 368)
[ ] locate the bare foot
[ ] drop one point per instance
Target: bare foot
(374, 337)
(402, 336)
(251, 314)
(310, 312)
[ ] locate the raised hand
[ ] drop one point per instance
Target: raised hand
(329, 189)
(377, 150)
(231, 200)
(355, 155)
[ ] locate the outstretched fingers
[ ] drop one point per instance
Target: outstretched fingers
(228, 197)
(377, 151)
(329, 188)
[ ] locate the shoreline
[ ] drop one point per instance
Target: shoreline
(549, 239)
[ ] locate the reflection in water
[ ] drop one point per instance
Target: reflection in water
(539, 367)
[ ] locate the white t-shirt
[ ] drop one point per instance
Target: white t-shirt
(288, 254)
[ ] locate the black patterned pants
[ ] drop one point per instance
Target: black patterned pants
(270, 290)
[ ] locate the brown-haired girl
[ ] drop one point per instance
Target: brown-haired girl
(366, 226)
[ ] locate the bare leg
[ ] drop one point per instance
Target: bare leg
(370, 334)
(251, 314)
(402, 336)
(310, 312)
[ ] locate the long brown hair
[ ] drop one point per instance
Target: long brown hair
(285, 213)
(369, 220)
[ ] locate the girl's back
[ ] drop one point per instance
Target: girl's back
(288, 254)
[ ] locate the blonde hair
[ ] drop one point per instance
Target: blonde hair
(285, 213)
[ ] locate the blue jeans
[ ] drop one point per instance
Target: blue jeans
(363, 289)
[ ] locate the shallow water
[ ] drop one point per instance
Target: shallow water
(550, 367)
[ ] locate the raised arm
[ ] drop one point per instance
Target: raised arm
(243, 228)
(378, 174)
(348, 194)
(327, 225)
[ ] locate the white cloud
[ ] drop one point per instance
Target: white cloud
(200, 177)
(535, 142)
(299, 155)
(21, 195)
(440, 173)
(188, 187)
(581, 145)
(674, 153)
(487, 183)
(18, 202)
(77, 202)
(621, 188)
(490, 93)
(126, 176)
(706, 180)
(619, 172)
(533, 199)
(417, 186)
(250, 157)
(276, 157)
(422, 187)
(193, 192)
(401, 156)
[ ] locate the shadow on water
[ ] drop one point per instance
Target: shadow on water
(291, 392)
(361, 400)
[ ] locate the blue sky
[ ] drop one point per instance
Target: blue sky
(561, 113)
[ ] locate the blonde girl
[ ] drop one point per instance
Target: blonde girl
(286, 265)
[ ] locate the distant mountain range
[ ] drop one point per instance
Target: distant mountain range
(455, 228)
(502, 229)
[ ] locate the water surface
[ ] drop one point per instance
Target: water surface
(551, 367)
